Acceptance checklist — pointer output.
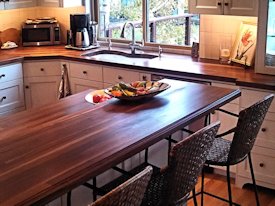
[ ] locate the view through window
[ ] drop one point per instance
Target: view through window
(167, 22)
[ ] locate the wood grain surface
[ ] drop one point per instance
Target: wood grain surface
(50, 150)
(170, 64)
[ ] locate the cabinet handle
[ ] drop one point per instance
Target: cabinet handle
(27, 87)
(84, 72)
(261, 164)
(219, 3)
(226, 4)
(263, 129)
(2, 99)
(42, 69)
(144, 78)
(119, 77)
(2, 75)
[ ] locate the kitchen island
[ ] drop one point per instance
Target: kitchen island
(47, 151)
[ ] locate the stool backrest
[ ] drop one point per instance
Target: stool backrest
(186, 161)
(249, 123)
(130, 193)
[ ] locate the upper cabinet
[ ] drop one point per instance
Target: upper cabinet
(224, 7)
(60, 3)
(14, 4)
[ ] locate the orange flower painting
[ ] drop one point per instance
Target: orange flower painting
(245, 44)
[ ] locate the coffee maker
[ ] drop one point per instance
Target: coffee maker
(80, 30)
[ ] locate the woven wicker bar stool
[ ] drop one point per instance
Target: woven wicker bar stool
(172, 184)
(130, 193)
(227, 153)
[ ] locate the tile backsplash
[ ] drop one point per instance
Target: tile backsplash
(218, 30)
(14, 18)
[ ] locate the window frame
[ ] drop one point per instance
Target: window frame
(94, 11)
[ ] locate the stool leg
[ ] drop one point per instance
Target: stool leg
(69, 194)
(202, 186)
(194, 197)
(169, 146)
(94, 191)
(253, 179)
(228, 185)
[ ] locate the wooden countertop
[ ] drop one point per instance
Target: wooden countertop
(170, 64)
(47, 151)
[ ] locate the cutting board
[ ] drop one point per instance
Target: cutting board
(10, 34)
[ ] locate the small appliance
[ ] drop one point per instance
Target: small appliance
(79, 24)
(38, 34)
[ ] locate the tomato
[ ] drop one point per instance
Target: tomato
(103, 99)
(97, 98)
(116, 93)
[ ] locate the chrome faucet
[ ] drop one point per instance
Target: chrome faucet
(133, 45)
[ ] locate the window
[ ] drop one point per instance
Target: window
(166, 22)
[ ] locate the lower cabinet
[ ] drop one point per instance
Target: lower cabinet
(41, 91)
(263, 152)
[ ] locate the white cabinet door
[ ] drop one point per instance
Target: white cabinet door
(41, 90)
(241, 7)
(51, 3)
(79, 85)
(227, 7)
(14, 4)
(206, 6)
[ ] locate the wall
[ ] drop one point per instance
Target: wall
(15, 17)
(216, 30)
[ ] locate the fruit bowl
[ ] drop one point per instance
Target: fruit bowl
(136, 90)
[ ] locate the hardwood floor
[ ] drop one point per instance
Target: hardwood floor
(216, 184)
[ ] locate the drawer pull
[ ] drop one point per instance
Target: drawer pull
(42, 69)
(27, 87)
(144, 78)
(119, 77)
(219, 3)
(226, 4)
(84, 72)
(261, 164)
(2, 75)
(263, 129)
(3, 98)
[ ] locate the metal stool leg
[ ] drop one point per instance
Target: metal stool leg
(202, 186)
(69, 194)
(194, 197)
(94, 191)
(228, 185)
(253, 179)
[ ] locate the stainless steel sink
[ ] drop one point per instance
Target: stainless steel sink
(118, 55)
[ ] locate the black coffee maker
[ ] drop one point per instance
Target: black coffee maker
(80, 30)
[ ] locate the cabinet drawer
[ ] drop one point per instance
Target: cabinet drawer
(11, 95)
(250, 97)
(113, 75)
(86, 71)
(79, 85)
(266, 136)
(42, 68)
(10, 72)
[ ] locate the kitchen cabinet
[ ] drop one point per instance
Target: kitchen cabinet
(85, 76)
(41, 82)
(60, 3)
(263, 152)
(11, 89)
(224, 7)
(15, 4)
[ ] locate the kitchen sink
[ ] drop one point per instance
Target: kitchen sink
(118, 55)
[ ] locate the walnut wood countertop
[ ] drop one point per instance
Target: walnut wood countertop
(47, 151)
(170, 64)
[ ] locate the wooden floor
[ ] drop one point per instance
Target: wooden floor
(216, 184)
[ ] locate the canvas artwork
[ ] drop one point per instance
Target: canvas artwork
(243, 51)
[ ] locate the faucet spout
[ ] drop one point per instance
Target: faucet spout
(133, 44)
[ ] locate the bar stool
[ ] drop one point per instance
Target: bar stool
(227, 153)
(129, 193)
